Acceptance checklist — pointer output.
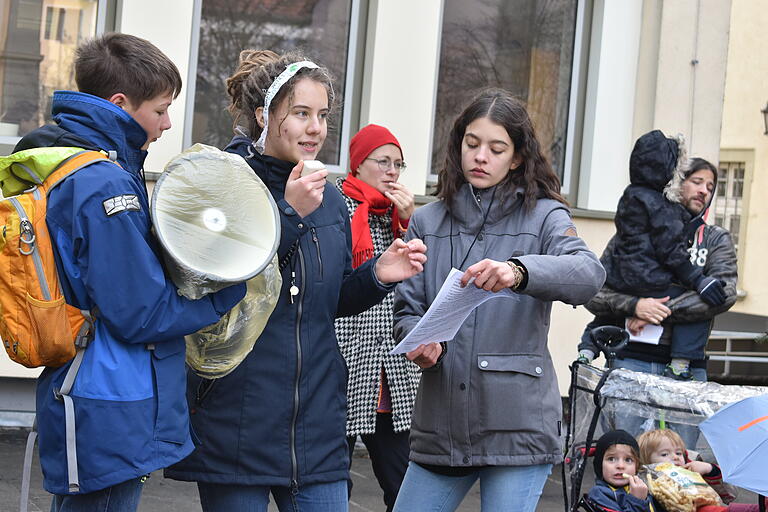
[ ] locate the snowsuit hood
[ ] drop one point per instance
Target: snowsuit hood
(659, 162)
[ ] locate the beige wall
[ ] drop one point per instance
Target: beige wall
(746, 92)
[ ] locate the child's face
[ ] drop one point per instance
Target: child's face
(667, 451)
(152, 115)
(297, 131)
(618, 459)
(487, 153)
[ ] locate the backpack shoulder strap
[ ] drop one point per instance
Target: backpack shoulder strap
(73, 164)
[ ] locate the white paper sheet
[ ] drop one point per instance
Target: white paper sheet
(447, 313)
(650, 334)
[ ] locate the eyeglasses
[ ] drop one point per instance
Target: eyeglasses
(386, 164)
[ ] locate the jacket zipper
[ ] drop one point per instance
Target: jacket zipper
(317, 246)
(25, 227)
(294, 463)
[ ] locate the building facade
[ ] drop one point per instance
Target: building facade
(595, 75)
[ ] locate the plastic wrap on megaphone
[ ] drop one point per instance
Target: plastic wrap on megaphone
(216, 350)
(216, 220)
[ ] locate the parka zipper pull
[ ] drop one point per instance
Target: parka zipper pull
(294, 488)
(294, 290)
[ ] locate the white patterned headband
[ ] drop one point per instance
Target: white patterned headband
(281, 79)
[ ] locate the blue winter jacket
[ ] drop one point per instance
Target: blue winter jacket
(130, 411)
(618, 499)
(279, 418)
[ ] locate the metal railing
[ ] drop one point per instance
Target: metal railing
(729, 355)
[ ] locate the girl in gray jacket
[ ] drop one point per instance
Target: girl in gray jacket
(488, 404)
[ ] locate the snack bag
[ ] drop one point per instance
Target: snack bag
(679, 490)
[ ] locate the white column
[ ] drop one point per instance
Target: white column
(400, 80)
(609, 109)
(168, 25)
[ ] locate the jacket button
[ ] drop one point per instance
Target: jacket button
(379, 339)
(538, 370)
(462, 386)
(480, 237)
(466, 460)
(301, 225)
(483, 364)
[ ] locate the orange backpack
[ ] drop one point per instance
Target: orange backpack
(37, 327)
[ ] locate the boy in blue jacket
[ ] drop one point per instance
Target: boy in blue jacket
(127, 407)
(617, 486)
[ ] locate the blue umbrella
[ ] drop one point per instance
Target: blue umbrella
(738, 435)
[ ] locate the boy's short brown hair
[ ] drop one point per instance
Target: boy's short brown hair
(649, 441)
(121, 63)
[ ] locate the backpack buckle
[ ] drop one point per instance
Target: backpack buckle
(57, 394)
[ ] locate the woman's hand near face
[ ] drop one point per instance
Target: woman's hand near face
(305, 194)
(402, 199)
(492, 276)
(401, 260)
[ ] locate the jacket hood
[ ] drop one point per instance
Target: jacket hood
(93, 123)
(659, 162)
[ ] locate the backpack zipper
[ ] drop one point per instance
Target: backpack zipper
(317, 246)
(25, 227)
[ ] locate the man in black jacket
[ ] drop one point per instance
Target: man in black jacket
(712, 249)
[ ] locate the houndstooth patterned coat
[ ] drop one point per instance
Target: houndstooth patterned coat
(365, 341)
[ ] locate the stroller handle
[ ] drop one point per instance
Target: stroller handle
(609, 338)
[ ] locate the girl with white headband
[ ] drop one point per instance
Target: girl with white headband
(277, 423)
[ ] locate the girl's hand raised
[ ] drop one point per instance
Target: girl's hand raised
(401, 260)
(305, 194)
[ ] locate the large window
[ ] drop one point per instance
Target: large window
(318, 28)
(524, 46)
(37, 47)
(730, 193)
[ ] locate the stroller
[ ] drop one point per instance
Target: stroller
(603, 399)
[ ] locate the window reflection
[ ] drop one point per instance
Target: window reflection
(38, 39)
(318, 28)
(524, 46)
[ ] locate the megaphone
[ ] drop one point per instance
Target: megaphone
(218, 225)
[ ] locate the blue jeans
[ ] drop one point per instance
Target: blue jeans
(501, 487)
(324, 497)
(122, 497)
(635, 425)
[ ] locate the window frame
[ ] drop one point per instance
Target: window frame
(576, 102)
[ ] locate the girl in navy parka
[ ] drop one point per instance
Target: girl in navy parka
(276, 424)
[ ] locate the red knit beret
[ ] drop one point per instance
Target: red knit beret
(366, 140)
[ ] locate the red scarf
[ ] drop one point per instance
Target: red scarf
(373, 201)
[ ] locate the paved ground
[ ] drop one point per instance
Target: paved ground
(168, 495)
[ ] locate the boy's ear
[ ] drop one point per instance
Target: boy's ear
(119, 99)
(260, 116)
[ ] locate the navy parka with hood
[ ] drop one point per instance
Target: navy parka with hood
(279, 418)
(131, 415)
(650, 249)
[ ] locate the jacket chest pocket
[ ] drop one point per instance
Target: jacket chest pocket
(510, 392)
(328, 251)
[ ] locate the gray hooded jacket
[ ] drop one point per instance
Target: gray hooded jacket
(493, 399)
